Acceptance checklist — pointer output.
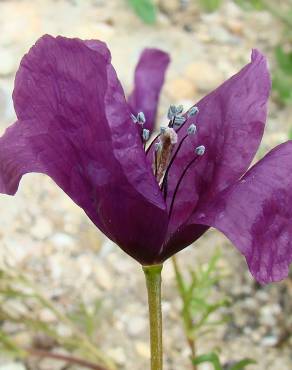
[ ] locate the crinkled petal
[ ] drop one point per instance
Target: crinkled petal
(74, 125)
(149, 78)
(230, 125)
(255, 213)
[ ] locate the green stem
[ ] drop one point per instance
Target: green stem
(153, 283)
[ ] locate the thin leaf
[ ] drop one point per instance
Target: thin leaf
(242, 364)
(209, 357)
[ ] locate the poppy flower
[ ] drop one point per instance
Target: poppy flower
(152, 199)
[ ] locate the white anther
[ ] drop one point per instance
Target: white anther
(171, 112)
(179, 120)
(145, 134)
(141, 118)
(193, 111)
(192, 129)
(158, 146)
(200, 150)
(162, 129)
(134, 118)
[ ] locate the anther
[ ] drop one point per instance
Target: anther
(179, 120)
(192, 129)
(200, 150)
(174, 112)
(158, 146)
(134, 118)
(162, 129)
(193, 111)
(171, 112)
(145, 134)
(140, 118)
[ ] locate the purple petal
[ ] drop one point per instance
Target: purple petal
(255, 213)
(230, 125)
(74, 125)
(149, 78)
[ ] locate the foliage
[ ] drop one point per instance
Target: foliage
(215, 361)
(195, 290)
(198, 308)
(145, 9)
(21, 301)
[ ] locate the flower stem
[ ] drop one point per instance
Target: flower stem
(153, 283)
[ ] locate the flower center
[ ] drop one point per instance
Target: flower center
(165, 150)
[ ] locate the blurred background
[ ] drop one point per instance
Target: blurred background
(64, 288)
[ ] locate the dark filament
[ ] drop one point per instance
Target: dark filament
(156, 164)
(152, 142)
(178, 184)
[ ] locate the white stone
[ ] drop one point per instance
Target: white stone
(13, 366)
(7, 63)
(136, 326)
(42, 228)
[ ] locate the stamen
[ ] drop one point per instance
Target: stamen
(171, 112)
(145, 134)
(182, 176)
(174, 115)
(155, 163)
(134, 118)
(162, 129)
(192, 129)
(179, 120)
(178, 184)
(152, 142)
(200, 150)
(193, 111)
(158, 146)
(140, 118)
(164, 181)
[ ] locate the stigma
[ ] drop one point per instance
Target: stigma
(163, 151)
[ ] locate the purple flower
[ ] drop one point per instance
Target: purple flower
(75, 125)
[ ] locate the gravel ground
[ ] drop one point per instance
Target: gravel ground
(44, 234)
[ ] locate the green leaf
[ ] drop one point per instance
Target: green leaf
(242, 364)
(209, 357)
(211, 5)
(145, 9)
